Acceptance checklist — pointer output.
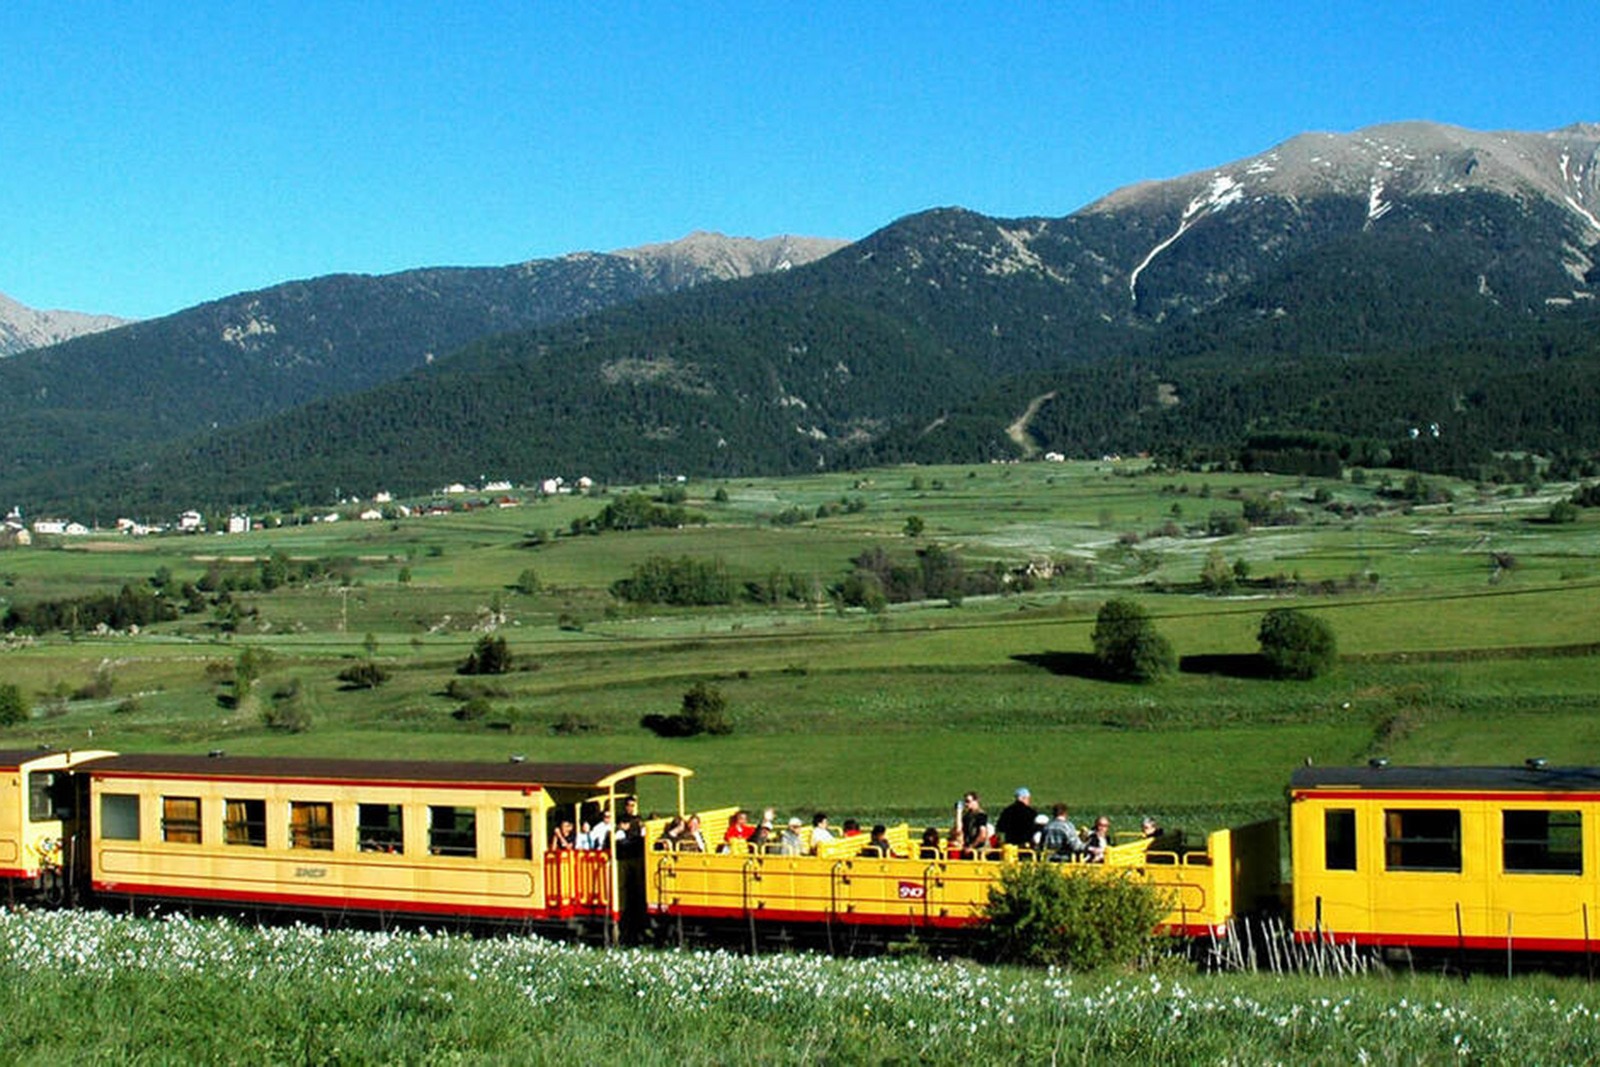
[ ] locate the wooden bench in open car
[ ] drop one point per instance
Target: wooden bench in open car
(427, 840)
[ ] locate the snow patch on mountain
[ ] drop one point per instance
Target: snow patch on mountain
(1222, 193)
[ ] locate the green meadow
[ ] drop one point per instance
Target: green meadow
(1466, 629)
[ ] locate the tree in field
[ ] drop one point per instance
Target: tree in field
(489, 656)
(13, 709)
(1127, 645)
(705, 711)
(1297, 645)
(1216, 576)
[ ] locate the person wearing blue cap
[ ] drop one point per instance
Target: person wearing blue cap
(1018, 821)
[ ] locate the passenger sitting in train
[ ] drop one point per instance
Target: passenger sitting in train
(671, 835)
(694, 839)
(955, 845)
(852, 828)
(1099, 840)
(761, 839)
(973, 822)
(929, 848)
(820, 834)
(879, 844)
(791, 843)
(600, 829)
(561, 836)
(739, 830)
(1060, 840)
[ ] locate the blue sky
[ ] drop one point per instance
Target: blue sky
(158, 154)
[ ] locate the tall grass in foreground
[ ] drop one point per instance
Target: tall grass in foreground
(90, 986)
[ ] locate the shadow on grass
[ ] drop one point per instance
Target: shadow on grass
(1073, 664)
(1228, 665)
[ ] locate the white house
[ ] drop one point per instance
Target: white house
(191, 522)
(49, 526)
(371, 515)
(238, 524)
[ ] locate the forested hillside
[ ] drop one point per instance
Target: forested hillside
(1417, 295)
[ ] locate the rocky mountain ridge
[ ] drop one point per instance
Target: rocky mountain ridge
(23, 327)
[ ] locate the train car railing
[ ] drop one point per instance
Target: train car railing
(577, 881)
(914, 892)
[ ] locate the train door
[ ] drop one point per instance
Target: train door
(1334, 867)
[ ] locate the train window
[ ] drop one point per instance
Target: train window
(180, 820)
(452, 831)
(517, 833)
(119, 816)
(380, 828)
(1339, 839)
(49, 796)
(245, 822)
(311, 824)
(1422, 839)
(1542, 842)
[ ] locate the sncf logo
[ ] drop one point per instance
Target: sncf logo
(912, 891)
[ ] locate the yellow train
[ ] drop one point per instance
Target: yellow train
(1447, 858)
(1431, 858)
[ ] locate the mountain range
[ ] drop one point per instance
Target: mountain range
(1410, 293)
(22, 328)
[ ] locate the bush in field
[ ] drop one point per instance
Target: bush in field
(489, 656)
(13, 708)
(1127, 645)
(1046, 914)
(364, 675)
(473, 710)
(1297, 645)
(286, 710)
(705, 711)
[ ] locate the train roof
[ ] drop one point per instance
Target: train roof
(1532, 777)
(514, 772)
(13, 759)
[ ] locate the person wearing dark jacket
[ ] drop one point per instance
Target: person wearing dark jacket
(1018, 821)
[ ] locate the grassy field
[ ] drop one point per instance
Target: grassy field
(89, 987)
(1467, 631)
(1464, 628)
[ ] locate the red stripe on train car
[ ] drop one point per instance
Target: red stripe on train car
(1450, 941)
(1440, 794)
(854, 918)
(343, 783)
(320, 903)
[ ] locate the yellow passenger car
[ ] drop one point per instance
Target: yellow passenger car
(38, 818)
(461, 840)
(1465, 858)
(843, 888)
